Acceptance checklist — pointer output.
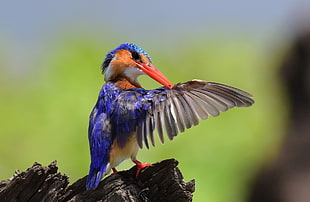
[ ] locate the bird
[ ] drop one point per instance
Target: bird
(126, 115)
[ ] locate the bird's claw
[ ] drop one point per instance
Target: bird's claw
(114, 171)
(140, 166)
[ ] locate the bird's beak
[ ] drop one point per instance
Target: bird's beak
(154, 73)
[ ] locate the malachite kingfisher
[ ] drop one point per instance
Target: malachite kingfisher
(126, 115)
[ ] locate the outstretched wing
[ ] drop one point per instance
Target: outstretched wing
(174, 110)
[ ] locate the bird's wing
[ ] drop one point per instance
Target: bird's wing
(174, 110)
(126, 114)
(100, 141)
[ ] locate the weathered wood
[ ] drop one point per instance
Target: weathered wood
(161, 181)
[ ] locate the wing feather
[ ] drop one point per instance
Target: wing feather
(170, 123)
(144, 129)
(166, 121)
(139, 132)
(216, 103)
(151, 129)
(243, 97)
(159, 126)
(197, 106)
(223, 99)
(193, 115)
(204, 101)
(188, 122)
(179, 113)
(173, 110)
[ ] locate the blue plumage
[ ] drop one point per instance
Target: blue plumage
(126, 115)
(100, 136)
(116, 115)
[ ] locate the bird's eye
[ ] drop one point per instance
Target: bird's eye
(135, 55)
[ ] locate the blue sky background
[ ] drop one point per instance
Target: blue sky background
(27, 27)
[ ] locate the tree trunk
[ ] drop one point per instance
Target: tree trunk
(161, 181)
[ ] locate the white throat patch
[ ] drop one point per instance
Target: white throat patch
(109, 71)
(133, 72)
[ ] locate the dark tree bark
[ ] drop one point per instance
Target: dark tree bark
(161, 181)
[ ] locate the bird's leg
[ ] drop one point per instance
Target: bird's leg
(140, 166)
(114, 171)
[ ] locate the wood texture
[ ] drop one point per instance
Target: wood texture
(161, 181)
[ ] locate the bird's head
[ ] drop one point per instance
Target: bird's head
(130, 61)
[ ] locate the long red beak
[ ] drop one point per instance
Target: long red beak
(154, 73)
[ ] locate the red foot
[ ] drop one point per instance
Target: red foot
(140, 166)
(114, 171)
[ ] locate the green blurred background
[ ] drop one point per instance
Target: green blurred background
(50, 78)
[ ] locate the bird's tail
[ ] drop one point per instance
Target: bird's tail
(95, 175)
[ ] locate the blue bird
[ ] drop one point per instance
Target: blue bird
(126, 115)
